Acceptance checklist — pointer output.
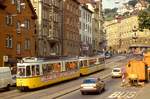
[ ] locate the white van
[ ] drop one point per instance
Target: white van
(5, 78)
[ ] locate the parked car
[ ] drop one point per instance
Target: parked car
(108, 55)
(92, 85)
(116, 72)
(5, 78)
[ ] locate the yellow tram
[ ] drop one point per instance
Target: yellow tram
(90, 65)
(34, 73)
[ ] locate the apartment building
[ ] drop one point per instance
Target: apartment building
(17, 31)
(86, 30)
(49, 14)
(121, 35)
(71, 37)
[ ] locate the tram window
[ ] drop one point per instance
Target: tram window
(33, 70)
(85, 63)
(21, 71)
(37, 70)
(57, 67)
(49, 68)
(44, 69)
(28, 72)
(92, 62)
(81, 63)
(67, 66)
(101, 60)
(75, 65)
(71, 66)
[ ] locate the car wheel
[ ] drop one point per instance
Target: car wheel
(99, 91)
(103, 89)
(8, 87)
(83, 93)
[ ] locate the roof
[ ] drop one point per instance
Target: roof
(86, 1)
(32, 9)
(139, 45)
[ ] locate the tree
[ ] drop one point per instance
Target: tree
(148, 1)
(144, 19)
(132, 2)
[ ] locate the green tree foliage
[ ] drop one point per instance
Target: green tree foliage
(133, 2)
(144, 19)
(148, 1)
(109, 14)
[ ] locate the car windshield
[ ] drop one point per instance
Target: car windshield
(89, 81)
(116, 70)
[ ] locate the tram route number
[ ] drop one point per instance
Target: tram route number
(126, 95)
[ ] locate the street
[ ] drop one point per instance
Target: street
(112, 85)
(113, 90)
(62, 49)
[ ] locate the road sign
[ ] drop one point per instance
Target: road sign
(5, 58)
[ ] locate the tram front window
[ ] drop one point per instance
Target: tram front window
(21, 72)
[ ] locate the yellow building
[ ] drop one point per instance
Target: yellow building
(121, 35)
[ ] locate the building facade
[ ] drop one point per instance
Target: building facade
(97, 32)
(121, 35)
(86, 30)
(49, 14)
(102, 42)
(71, 37)
(17, 31)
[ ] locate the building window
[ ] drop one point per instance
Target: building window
(9, 42)
(9, 19)
(13, 1)
(27, 44)
(18, 49)
(27, 24)
(18, 27)
(18, 6)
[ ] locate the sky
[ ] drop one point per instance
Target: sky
(111, 3)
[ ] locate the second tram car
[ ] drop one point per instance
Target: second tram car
(90, 65)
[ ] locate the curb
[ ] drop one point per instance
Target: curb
(62, 93)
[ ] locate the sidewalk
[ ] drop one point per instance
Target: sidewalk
(144, 92)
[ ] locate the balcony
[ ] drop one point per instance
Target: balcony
(53, 38)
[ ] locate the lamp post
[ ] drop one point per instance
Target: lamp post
(134, 35)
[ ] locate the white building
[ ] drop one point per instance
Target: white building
(86, 30)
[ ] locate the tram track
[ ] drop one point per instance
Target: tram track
(11, 94)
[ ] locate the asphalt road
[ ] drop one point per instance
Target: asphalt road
(113, 91)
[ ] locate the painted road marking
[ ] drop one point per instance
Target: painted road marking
(125, 94)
